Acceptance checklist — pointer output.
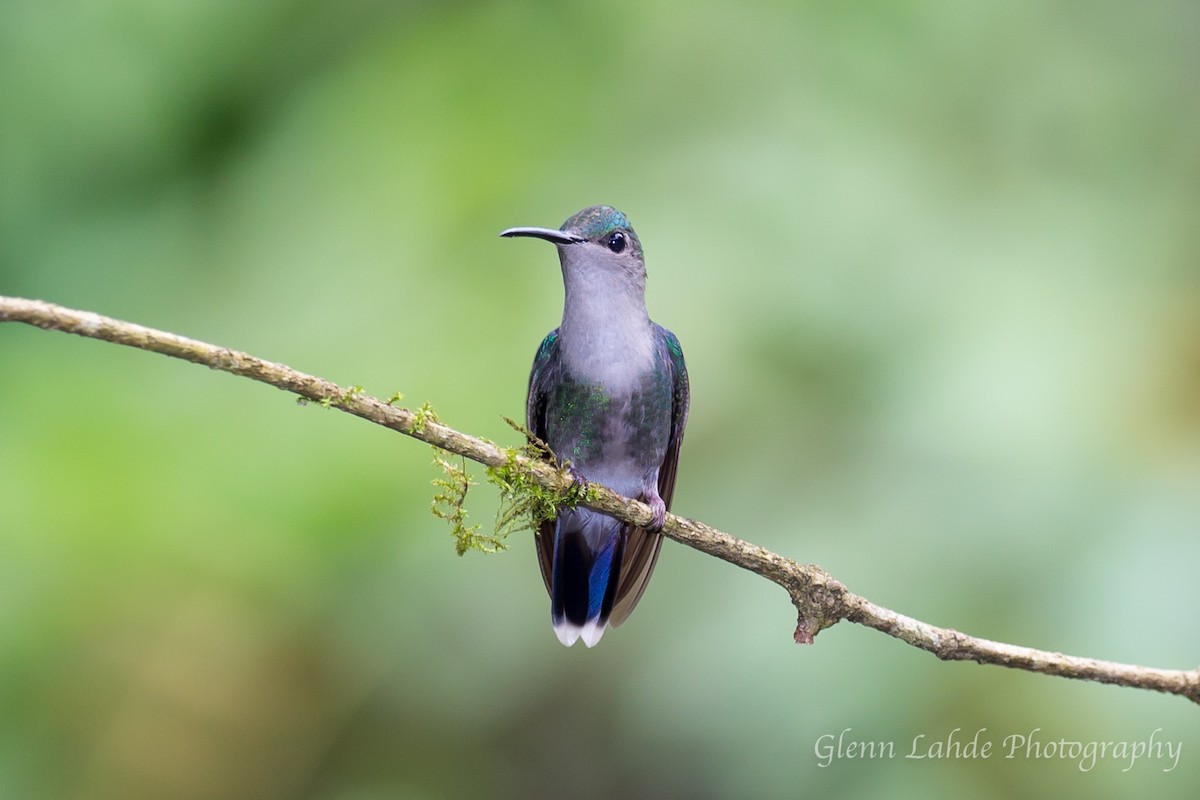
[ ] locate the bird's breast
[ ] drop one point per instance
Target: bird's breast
(613, 432)
(615, 357)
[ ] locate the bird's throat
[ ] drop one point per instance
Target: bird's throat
(606, 337)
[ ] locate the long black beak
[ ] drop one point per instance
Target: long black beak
(549, 234)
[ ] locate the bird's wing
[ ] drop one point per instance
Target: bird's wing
(545, 365)
(641, 546)
(680, 397)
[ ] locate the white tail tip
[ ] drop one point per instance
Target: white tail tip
(566, 632)
(591, 631)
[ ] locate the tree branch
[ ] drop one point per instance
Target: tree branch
(820, 599)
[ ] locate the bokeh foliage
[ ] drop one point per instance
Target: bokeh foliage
(936, 268)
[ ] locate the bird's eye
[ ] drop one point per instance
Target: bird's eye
(616, 242)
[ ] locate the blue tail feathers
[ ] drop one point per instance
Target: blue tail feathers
(587, 566)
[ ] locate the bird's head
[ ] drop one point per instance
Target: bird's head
(597, 245)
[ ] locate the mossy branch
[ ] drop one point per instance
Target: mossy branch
(820, 600)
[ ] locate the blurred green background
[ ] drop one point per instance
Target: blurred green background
(936, 268)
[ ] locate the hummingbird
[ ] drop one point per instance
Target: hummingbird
(609, 394)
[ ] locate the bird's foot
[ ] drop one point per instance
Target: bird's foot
(579, 483)
(659, 509)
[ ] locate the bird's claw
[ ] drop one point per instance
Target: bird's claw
(577, 480)
(659, 519)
